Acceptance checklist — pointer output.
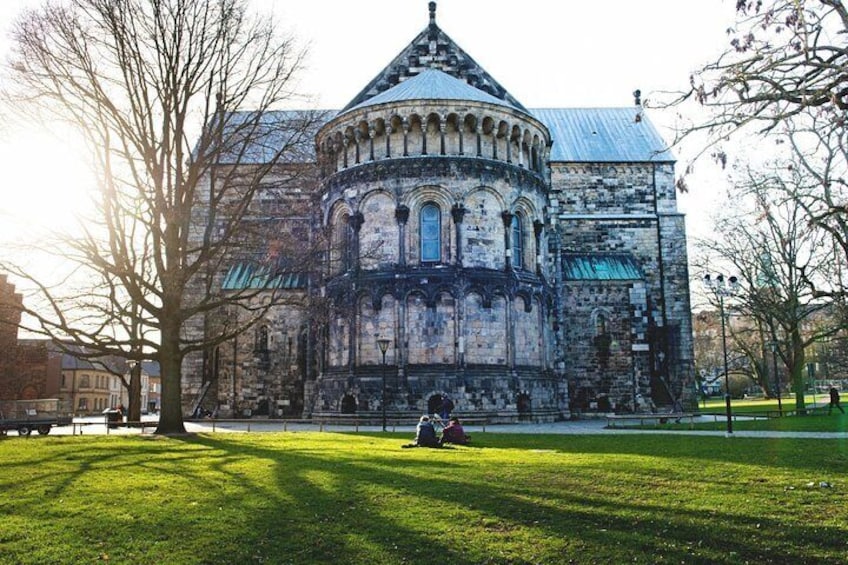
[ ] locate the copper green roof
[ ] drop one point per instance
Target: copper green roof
(243, 276)
(600, 267)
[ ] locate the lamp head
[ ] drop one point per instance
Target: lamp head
(383, 344)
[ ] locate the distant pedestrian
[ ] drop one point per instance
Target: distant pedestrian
(834, 401)
(446, 408)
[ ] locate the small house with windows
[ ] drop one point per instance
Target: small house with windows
(529, 264)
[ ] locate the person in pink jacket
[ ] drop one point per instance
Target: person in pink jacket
(454, 433)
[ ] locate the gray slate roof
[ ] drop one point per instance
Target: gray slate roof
(580, 135)
(251, 138)
(436, 85)
(603, 135)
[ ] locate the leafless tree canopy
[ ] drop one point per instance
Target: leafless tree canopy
(784, 57)
(159, 89)
(765, 238)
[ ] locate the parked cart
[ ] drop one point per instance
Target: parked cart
(24, 416)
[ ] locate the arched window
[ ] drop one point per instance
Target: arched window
(262, 339)
(431, 233)
(600, 324)
(517, 242)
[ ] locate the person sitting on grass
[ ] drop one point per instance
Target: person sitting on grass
(425, 434)
(454, 433)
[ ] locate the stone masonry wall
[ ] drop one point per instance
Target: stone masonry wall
(599, 368)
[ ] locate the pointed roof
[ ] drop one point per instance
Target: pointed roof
(433, 49)
(435, 85)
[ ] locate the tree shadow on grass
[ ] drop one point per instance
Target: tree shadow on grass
(830, 455)
(331, 498)
(340, 509)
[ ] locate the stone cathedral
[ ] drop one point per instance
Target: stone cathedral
(529, 264)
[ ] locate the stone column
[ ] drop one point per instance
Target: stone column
(424, 125)
(537, 233)
(441, 138)
(356, 220)
(506, 216)
(459, 306)
(401, 216)
(510, 333)
(458, 213)
(352, 331)
(541, 316)
(402, 346)
(406, 129)
(371, 135)
(357, 138)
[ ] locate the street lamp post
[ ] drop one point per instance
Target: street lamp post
(773, 345)
(722, 288)
(383, 344)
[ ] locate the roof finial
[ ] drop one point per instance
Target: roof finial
(432, 13)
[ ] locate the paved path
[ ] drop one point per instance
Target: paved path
(94, 426)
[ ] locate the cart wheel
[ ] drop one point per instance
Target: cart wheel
(24, 430)
(43, 430)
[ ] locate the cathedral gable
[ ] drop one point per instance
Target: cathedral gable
(433, 49)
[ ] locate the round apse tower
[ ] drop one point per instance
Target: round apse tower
(433, 198)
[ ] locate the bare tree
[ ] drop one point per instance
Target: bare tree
(768, 242)
(158, 88)
(784, 57)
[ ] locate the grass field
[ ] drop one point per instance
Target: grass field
(359, 498)
(818, 421)
(749, 405)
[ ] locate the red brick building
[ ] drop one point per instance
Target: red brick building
(23, 363)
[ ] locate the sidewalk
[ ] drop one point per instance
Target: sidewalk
(576, 427)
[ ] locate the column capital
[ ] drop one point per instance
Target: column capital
(402, 214)
(458, 213)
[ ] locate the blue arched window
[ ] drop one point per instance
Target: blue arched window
(431, 233)
(517, 242)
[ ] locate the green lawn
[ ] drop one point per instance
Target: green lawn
(818, 421)
(749, 405)
(360, 498)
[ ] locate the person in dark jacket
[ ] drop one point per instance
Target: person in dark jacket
(454, 433)
(425, 434)
(834, 401)
(446, 408)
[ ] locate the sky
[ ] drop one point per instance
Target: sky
(563, 53)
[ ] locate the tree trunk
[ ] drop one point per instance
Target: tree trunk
(798, 366)
(170, 362)
(134, 393)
